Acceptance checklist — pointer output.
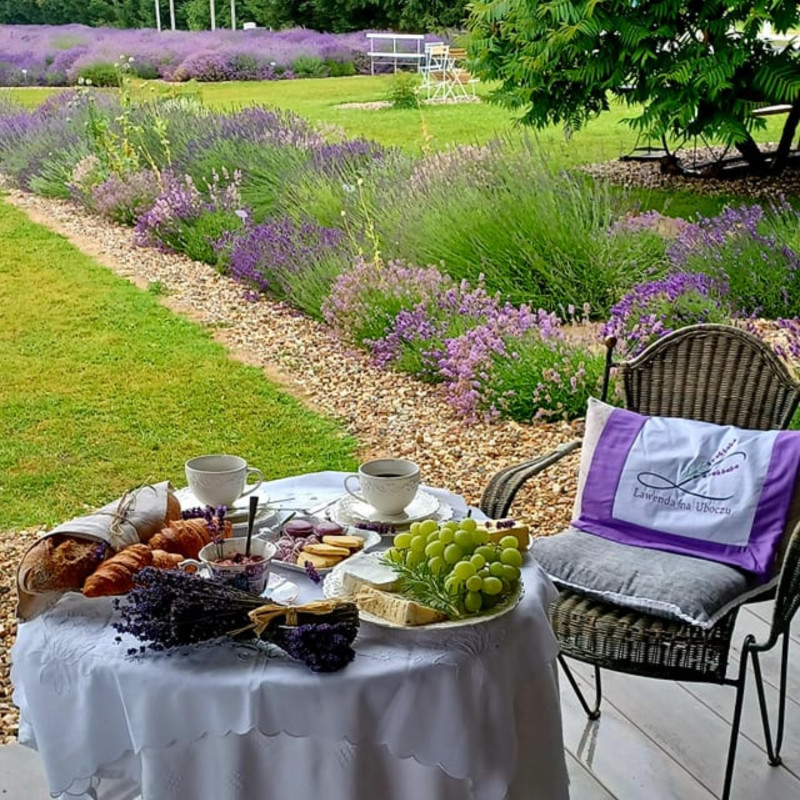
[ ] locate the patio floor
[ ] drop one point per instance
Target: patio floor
(660, 740)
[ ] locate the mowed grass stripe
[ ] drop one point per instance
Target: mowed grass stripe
(103, 389)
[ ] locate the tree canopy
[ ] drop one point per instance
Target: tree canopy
(338, 16)
(685, 68)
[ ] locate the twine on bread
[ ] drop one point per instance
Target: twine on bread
(118, 537)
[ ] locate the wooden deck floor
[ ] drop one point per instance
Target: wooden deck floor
(660, 740)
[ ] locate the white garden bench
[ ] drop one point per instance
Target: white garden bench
(397, 49)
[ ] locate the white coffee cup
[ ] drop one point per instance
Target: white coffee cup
(387, 484)
(220, 480)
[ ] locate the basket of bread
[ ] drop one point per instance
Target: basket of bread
(101, 553)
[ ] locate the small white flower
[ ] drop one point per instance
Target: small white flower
(273, 63)
(88, 81)
(348, 187)
(360, 182)
(130, 59)
(24, 71)
(81, 81)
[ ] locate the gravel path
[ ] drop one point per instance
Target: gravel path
(388, 413)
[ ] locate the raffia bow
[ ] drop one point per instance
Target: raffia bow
(263, 616)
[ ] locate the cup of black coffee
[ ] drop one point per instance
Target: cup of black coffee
(387, 484)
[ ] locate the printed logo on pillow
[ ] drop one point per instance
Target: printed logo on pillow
(694, 479)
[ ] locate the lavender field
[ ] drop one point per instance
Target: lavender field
(43, 55)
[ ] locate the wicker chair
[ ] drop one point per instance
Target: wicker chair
(713, 373)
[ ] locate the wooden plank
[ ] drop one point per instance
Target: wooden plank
(621, 757)
(582, 784)
(720, 699)
(694, 736)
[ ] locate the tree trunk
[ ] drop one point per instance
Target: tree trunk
(785, 145)
(752, 155)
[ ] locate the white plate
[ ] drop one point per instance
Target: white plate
(370, 540)
(348, 510)
(333, 587)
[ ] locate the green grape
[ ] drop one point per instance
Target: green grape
(468, 524)
(480, 536)
(453, 553)
(484, 572)
(478, 560)
(509, 541)
(418, 544)
(496, 569)
(402, 541)
(492, 586)
(432, 537)
(452, 585)
(429, 526)
(464, 540)
(473, 602)
(512, 557)
(414, 528)
(474, 583)
(446, 535)
(413, 558)
(486, 551)
(394, 555)
(434, 549)
(437, 565)
(463, 570)
(510, 572)
(451, 525)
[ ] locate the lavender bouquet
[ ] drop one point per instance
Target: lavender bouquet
(167, 609)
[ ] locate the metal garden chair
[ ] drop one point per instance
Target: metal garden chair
(712, 373)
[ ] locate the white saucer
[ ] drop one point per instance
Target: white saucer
(350, 511)
(237, 514)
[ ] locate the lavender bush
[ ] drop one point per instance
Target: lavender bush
(290, 260)
(753, 251)
(56, 55)
(655, 308)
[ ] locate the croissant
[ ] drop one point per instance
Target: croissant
(186, 536)
(115, 576)
(164, 560)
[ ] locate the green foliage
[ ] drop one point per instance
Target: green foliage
(404, 90)
(340, 69)
(100, 74)
(539, 235)
(309, 67)
(685, 69)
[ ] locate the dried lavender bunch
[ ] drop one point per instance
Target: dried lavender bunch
(323, 648)
(168, 609)
(383, 528)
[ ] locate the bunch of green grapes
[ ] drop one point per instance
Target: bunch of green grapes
(476, 573)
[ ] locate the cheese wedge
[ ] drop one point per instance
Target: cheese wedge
(520, 531)
(362, 572)
(396, 608)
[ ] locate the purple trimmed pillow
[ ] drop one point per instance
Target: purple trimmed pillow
(711, 491)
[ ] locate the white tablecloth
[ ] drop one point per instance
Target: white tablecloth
(467, 713)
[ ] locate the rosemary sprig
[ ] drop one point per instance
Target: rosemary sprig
(424, 586)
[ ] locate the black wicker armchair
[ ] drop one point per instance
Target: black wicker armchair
(712, 373)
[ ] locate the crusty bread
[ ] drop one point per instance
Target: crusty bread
(61, 563)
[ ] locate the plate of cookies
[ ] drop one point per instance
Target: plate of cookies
(319, 542)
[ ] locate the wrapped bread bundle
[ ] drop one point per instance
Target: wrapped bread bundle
(63, 558)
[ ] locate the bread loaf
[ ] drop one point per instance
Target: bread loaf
(61, 563)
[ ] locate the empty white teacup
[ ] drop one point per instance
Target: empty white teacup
(387, 484)
(220, 480)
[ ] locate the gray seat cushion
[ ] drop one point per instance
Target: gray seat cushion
(669, 585)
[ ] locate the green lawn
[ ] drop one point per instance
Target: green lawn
(430, 128)
(104, 389)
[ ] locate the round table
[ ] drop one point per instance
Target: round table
(442, 715)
